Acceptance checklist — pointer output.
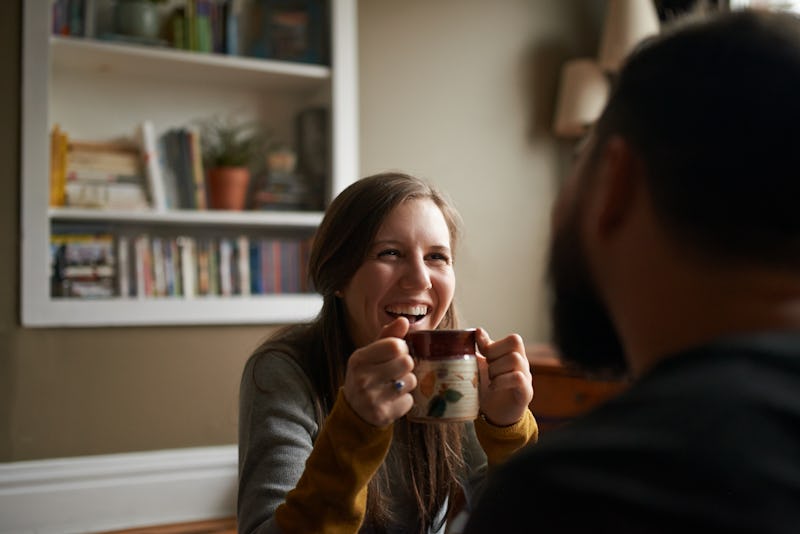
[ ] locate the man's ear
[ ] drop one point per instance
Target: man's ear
(621, 172)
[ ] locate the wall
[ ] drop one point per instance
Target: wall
(444, 95)
(462, 92)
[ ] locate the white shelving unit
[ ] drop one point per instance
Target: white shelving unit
(97, 90)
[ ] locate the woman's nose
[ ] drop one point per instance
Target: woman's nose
(416, 274)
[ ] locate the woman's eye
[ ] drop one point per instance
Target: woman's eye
(389, 252)
(439, 258)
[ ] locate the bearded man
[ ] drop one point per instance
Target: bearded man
(676, 259)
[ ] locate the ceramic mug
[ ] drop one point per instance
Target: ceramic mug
(447, 375)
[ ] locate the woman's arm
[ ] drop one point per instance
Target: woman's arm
(277, 429)
(292, 480)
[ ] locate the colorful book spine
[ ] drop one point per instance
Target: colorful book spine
(198, 174)
(256, 279)
(58, 166)
(188, 265)
(225, 258)
(123, 274)
(243, 246)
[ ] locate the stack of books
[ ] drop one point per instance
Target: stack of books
(83, 265)
(104, 175)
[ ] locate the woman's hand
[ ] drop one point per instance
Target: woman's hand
(379, 380)
(506, 385)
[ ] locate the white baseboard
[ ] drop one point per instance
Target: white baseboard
(96, 493)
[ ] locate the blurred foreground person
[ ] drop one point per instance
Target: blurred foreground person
(676, 258)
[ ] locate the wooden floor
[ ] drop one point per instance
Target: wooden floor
(212, 526)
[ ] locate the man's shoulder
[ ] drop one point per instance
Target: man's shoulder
(697, 437)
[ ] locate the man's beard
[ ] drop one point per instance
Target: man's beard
(582, 328)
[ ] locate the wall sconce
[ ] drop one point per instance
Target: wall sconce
(627, 22)
(582, 93)
(584, 84)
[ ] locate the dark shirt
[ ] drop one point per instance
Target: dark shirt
(707, 441)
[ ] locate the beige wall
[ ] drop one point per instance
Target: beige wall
(442, 95)
(461, 92)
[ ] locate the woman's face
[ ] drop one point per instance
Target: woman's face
(408, 272)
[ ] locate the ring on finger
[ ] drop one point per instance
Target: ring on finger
(398, 385)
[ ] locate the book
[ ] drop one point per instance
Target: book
(256, 279)
(188, 259)
(123, 274)
(143, 262)
(198, 174)
(89, 18)
(213, 267)
(232, 12)
(225, 259)
(179, 164)
(243, 246)
(174, 269)
(105, 195)
(168, 176)
(58, 166)
(159, 267)
(203, 267)
(152, 165)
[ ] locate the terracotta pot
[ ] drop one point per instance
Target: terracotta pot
(227, 187)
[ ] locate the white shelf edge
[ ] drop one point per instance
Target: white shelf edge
(294, 219)
(220, 61)
(251, 310)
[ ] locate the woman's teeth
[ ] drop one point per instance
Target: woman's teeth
(412, 313)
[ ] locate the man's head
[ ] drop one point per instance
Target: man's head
(705, 120)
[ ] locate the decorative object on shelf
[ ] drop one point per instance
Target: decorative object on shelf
(229, 148)
(289, 30)
(137, 18)
(295, 179)
(282, 187)
(582, 93)
(313, 148)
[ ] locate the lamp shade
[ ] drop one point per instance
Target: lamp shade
(627, 22)
(582, 93)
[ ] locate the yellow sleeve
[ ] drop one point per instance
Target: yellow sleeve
(500, 442)
(331, 495)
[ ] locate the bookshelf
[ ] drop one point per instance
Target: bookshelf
(101, 90)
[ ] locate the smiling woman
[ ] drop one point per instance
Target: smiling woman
(383, 261)
(408, 272)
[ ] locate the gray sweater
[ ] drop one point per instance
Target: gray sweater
(277, 431)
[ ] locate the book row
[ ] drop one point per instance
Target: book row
(104, 265)
(290, 30)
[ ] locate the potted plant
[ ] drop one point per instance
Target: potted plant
(229, 148)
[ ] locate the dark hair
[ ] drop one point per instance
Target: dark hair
(431, 453)
(713, 109)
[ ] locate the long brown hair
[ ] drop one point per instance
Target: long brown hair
(431, 454)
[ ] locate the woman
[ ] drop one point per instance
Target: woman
(323, 445)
